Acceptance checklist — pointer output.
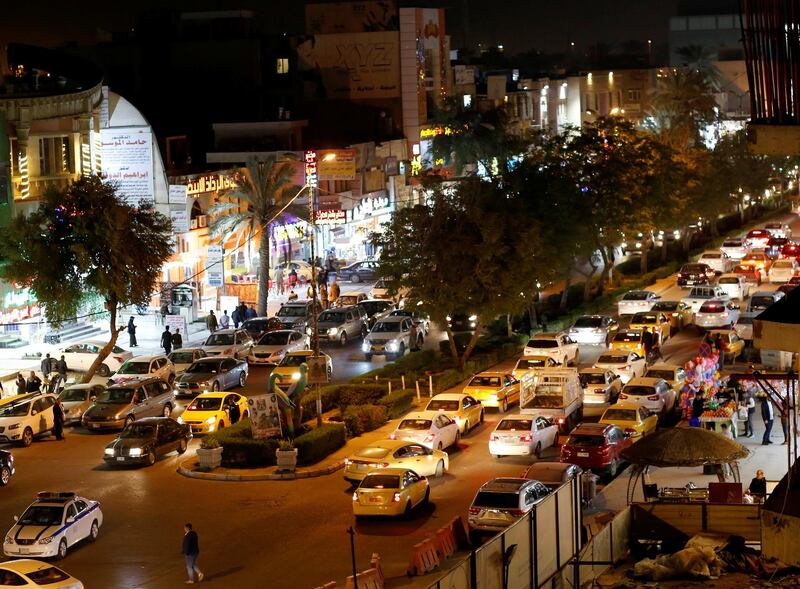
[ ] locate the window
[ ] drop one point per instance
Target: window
(634, 95)
(55, 156)
(71, 511)
(282, 65)
(80, 505)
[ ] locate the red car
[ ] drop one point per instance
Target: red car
(596, 446)
(791, 250)
(750, 273)
(758, 237)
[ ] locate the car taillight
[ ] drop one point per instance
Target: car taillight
(516, 512)
(630, 430)
(396, 498)
(528, 437)
(674, 314)
(429, 438)
(493, 438)
(474, 510)
(652, 398)
(119, 359)
(392, 436)
(560, 421)
(382, 465)
(355, 495)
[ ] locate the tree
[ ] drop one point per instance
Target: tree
(83, 240)
(262, 199)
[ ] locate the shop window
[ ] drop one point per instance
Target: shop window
(282, 65)
(634, 96)
(55, 156)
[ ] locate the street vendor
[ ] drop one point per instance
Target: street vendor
(758, 486)
(698, 405)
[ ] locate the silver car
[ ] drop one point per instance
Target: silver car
(501, 502)
(77, 398)
(593, 329)
(121, 404)
(228, 342)
(271, 347)
(342, 324)
(182, 358)
(219, 373)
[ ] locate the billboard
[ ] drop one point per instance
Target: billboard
(355, 65)
(215, 271)
(127, 162)
(265, 420)
(336, 164)
(351, 17)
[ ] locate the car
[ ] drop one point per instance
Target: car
(552, 474)
(744, 325)
(391, 336)
(286, 370)
(634, 420)
(629, 340)
(673, 374)
(466, 411)
(298, 315)
(716, 313)
(700, 294)
(635, 301)
(787, 288)
(81, 355)
(774, 248)
(420, 319)
(429, 428)
(7, 469)
(209, 412)
(557, 345)
(735, 286)
(341, 324)
(657, 323)
(679, 314)
(600, 385)
(654, 394)
(502, 501)
(228, 342)
(494, 389)
(752, 274)
(735, 248)
(391, 492)
(348, 300)
(52, 524)
(121, 404)
(596, 446)
(634, 244)
(380, 290)
(214, 374)
(395, 454)
(757, 238)
(778, 229)
(782, 270)
(182, 358)
(462, 322)
(26, 417)
(76, 399)
(358, 271)
(593, 329)
(258, 326)
(140, 367)
(791, 250)
(303, 270)
(375, 309)
(522, 435)
(763, 299)
(271, 347)
(26, 572)
(694, 274)
(528, 363)
(626, 365)
(143, 442)
(732, 344)
(759, 259)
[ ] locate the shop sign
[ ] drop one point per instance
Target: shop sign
(283, 233)
(175, 322)
(432, 132)
(177, 194)
(370, 207)
(337, 164)
(209, 183)
(215, 271)
(335, 217)
(180, 221)
(310, 160)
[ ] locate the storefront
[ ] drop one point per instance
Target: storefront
(348, 238)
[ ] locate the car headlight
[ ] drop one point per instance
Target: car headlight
(308, 330)
(392, 346)
(449, 318)
(333, 331)
(295, 376)
(109, 451)
(180, 419)
(135, 452)
(15, 426)
(365, 347)
(212, 419)
(47, 540)
(473, 317)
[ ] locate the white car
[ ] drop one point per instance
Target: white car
(593, 329)
(718, 261)
(654, 394)
(303, 270)
(26, 416)
(182, 358)
(744, 326)
(274, 345)
(26, 572)
(713, 314)
(782, 270)
(626, 365)
(142, 367)
(600, 385)
(527, 363)
(636, 301)
(700, 294)
(228, 342)
(80, 356)
(429, 428)
(522, 435)
(778, 229)
(558, 346)
(735, 247)
(52, 524)
(735, 286)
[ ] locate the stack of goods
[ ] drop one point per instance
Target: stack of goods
(702, 376)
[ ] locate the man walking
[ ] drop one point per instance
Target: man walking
(211, 322)
(224, 321)
(58, 420)
(61, 373)
(647, 343)
(166, 340)
(191, 550)
(768, 416)
(333, 293)
(132, 333)
(47, 367)
(279, 280)
(251, 313)
(177, 339)
(235, 317)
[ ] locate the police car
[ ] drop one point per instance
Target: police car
(52, 524)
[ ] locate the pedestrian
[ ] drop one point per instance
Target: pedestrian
(22, 386)
(224, 320)
(292, 296)
(279, 279)
(34, 384)
(292, 278)
(61, 370)
(720, 345)
(323, 295)
(164, 312)
(333, 292)
(132, 333)
(698, 405)
(747, 407)
(234, 413)
(726, 431)
(758, 485)
(166, 340)
(58, 420)
(242, 312)
(177, 339)
(211, 322)
(47, 366)
(251, 313)
(647, 343)
(235, 317)
(191, 551)
(768, 416)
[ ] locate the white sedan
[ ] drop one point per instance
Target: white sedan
(429, 428)
(271, 347)
(182, 358)
(716, 313)
(142, 367)
(558, 346)
(637, 301)
(626, 365)
(81, 355)
(599, 385)
(718, 261)
(53, 523)
(522, 435)
(26, 572)
(782, 270)
(735, 286)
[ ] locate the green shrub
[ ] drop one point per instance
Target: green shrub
(411, 365)
(360, 394)
(398, 402)
(363, 418)
(319, 443)
(447, 379)
(240, 450)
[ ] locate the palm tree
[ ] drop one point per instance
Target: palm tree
(262, 198)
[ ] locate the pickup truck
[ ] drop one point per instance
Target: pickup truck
(555, 393)
(700, 294)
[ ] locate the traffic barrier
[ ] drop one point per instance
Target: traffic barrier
(375, 563)
(424, 558)
(460, 533)
(331, 585)
(369, 579)
(445, 541)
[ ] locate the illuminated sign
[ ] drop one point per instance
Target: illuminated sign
(416, 165)
(434, 131)
(310, 160)
(370, 207)
(335, 217)
(336, 164)
(210, 183)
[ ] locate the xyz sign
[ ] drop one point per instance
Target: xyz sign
(365, 58)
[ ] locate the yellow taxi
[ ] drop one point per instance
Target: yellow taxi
(390, 491)
(288, 369)
(672, 373)
(210, 412)
(657, 323)
(527, 363)
(634, 420)
(465, 410)
(494, 389)
(395, 454)
(732, 344)
(629, 340)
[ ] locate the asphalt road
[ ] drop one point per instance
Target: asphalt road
(260, 534)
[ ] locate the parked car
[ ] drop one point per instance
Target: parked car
(272, 346)
(26, 417)
(715, 314)
(783, 270)
(287, 372)
(77, 398)
(679, 314)
(141, 367)
(258, 326)
(735, 248)
(694, 274)
(358, 271)
(182, 358)
(341, 324)
(390, 491)
(528, 363)
(558, 346)
(391, 336)
(600, 385)
(466, 411)
(7, 469)
(209, 412)
(395, 454)
(552, 474)
(596, 446)
(654, 394)
(501, 502)
(303, 270)
(121, 404)
(297, 315)
(626, 365)
(375, 309)
(81, 355)
(420, 319)
(218, 373)
(462, 322)
(593, 329)
(732, 344)
(656, 323)
(735, 286)
(744, 325)
(494, 389)
(522, 435)
(633, 420)
(429, 428)
(700, 294)
(146, 440)
(636, 301)
(752, 274)
(31, 573)
(349, 299)
(763, 299)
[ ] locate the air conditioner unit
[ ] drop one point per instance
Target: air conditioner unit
(193, 224)
(202, 221)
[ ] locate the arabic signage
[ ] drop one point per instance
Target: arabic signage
(177, 194)
(180, 221)
(337, 164)
(335, 217)
(175, 322)
(215, 275)
(209, 183)
(127, 162)
(370, 207)
(265, 417)
(310, 160)
(351, 17)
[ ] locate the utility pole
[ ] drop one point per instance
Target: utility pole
(352, 533)
(312, 183)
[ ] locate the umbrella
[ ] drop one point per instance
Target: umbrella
(684, 446)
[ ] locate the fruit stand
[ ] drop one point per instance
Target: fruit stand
(715, 413)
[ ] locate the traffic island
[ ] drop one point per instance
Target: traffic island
(191, 468)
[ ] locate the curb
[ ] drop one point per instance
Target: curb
(184, 469)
